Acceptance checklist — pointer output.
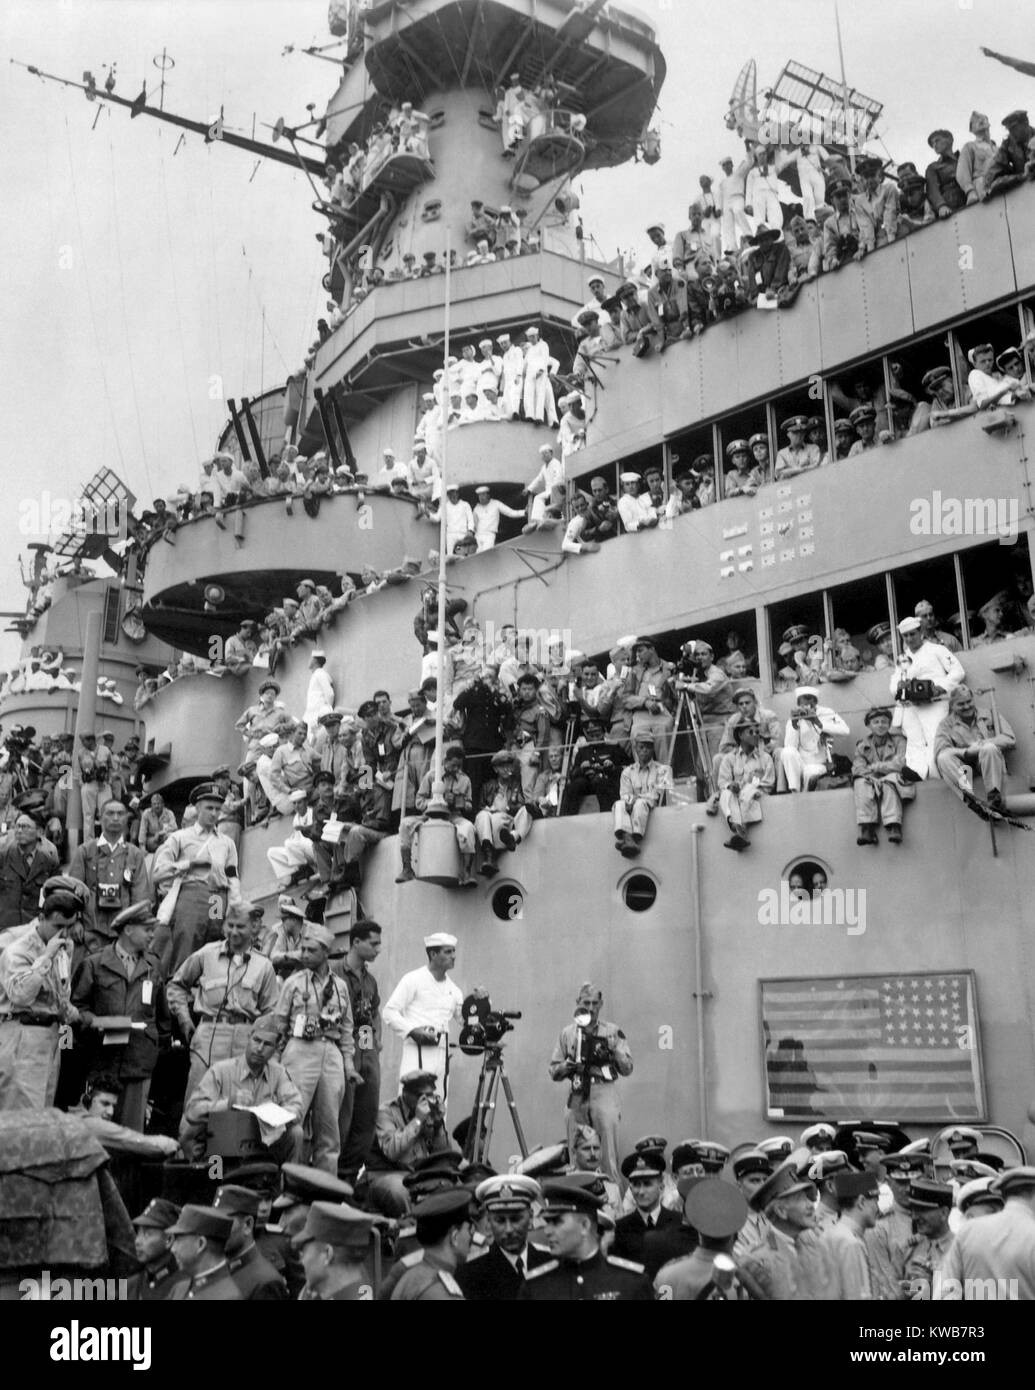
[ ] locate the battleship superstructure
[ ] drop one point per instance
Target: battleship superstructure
(678, 941)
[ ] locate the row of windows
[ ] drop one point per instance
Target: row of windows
(975, 592)
(892, 383)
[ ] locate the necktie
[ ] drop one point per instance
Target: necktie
(519, 1265)
(650, 1223)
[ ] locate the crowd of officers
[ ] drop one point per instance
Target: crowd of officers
(856, 1212)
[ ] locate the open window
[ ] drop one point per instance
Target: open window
(997, 585)
(797, 630)
(751, 427)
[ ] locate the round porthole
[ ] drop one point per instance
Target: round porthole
(807, 877)
(508, 902)
(639, 892)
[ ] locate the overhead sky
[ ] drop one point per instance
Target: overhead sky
(142, 284)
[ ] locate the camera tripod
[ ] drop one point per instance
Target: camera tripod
(700, 757)
(493, 1074)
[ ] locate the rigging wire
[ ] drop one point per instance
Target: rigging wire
(176, 294)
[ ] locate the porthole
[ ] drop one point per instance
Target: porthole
(508, 902)
(639, 892)
(806, 877)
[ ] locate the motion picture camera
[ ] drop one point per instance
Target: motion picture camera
(594, 1049)
(483, 1026)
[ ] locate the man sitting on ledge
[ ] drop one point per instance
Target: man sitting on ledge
(877, 784)
(967, 738)
(503, 822)
(745, 774)
(457, 796)
(643, 785)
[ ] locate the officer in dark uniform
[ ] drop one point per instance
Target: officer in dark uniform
(580, 1271)
(433, 1173)
(159, 1268)
(264, 1180)
(335, 1247)
(199, 1244)
(301, 1186)
(444, 1229)
(668, 1242)
(644, 1172)
(497, 1275)
(251, 1271)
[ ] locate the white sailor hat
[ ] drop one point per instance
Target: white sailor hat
(981, 347)
(909, 625)
(546, 448)
(628, 477)
(485, 342)
(808, 692)
(439, 938)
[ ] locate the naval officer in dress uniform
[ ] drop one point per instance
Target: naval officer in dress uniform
(498, 1274)
(579, 1270)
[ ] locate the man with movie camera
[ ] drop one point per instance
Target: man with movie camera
(591, 1055)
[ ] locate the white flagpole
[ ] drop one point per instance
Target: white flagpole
(437, 802)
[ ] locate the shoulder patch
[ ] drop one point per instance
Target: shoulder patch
(415, 1257)
(450, 1284)
(547, 1268)
(619, 1263)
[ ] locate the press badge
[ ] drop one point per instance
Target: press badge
(146, 991)
(606, 1074)
(380, 750)
(298, 1027)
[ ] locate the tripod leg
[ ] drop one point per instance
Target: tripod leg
(701, 742)
(675, 727)
(490, 1114)
(477, 1113)
(512, 1103)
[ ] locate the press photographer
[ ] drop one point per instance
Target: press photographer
(920, 684)
(591, 1055)
(408, 1129)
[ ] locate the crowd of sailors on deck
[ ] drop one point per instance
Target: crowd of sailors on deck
(781, 215)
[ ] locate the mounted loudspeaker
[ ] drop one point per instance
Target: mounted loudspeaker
(566, 203)
(278, 129)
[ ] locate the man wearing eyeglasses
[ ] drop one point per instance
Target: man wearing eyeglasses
(25, 865)
(35, 977)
